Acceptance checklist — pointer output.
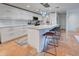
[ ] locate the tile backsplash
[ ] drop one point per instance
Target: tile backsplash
(15, 22)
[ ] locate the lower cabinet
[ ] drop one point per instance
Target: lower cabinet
(7, 34)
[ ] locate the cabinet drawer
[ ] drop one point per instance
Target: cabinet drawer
(6, 36)
(7, 29)
(11, 33)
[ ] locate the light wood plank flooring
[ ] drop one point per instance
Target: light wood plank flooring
(11, 48)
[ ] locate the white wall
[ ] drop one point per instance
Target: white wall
(7, 12)
(62, 20)
(73, 20)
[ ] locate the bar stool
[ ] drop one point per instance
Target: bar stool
(57, 32)
(51, 43)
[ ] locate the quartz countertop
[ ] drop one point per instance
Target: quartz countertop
(32, 26)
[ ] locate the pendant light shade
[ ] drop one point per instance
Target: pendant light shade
(43, 13)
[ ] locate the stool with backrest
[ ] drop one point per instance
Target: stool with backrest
(57, 32)
(51, 42)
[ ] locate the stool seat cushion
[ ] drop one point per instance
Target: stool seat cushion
(49, 34)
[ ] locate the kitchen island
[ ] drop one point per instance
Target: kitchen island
(35, 35)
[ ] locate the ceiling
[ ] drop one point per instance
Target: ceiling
(54, 7)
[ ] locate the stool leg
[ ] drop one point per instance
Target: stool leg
(59, 37)
(57, 42)
(55, 50)
(55, 46)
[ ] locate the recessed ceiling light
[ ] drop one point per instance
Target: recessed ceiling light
(28, 6)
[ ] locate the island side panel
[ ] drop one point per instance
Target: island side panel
(33, 38)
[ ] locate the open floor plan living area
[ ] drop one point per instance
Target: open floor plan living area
(39, 29)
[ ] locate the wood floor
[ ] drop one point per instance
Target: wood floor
(11, 48)
(68, 46)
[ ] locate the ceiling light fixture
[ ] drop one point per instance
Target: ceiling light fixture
(43, 13)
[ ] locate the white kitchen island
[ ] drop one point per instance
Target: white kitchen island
(35, 35)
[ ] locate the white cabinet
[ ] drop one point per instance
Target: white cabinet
(10, 33)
